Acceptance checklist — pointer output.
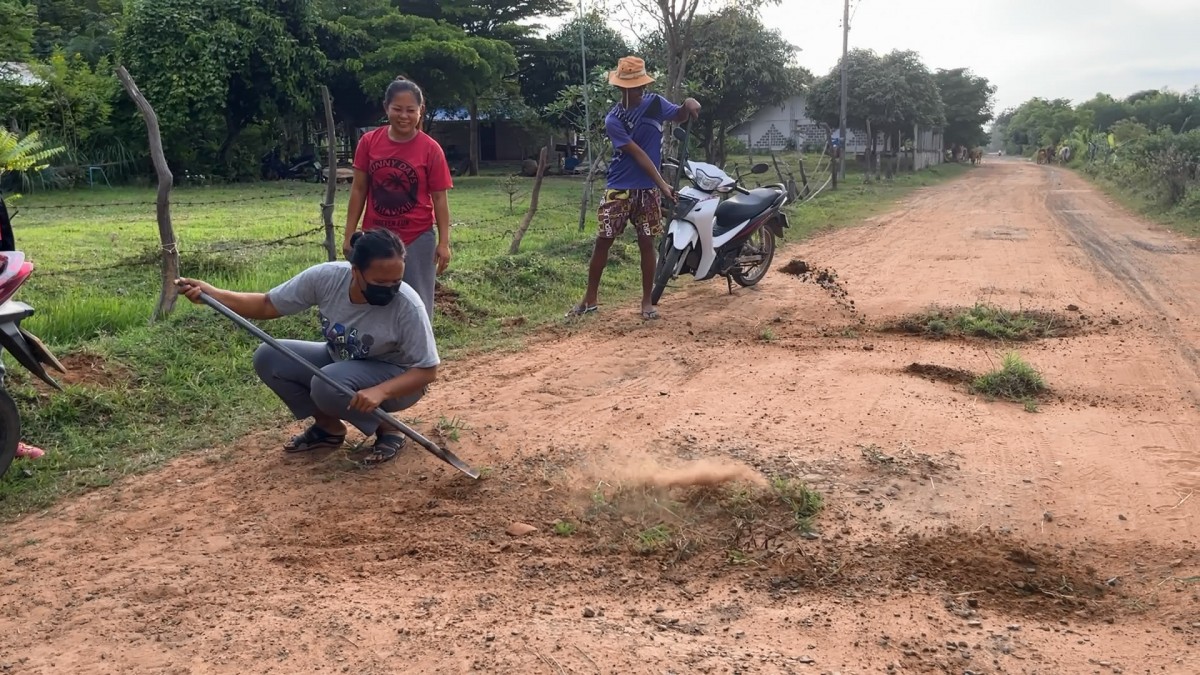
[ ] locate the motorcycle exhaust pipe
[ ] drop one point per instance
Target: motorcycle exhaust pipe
(379, 413)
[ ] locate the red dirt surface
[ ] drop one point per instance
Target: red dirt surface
(959, 535)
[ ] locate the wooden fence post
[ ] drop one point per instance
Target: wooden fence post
(166, 233)
(331, 181)
(533, 204)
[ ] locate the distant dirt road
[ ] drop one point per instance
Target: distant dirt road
(959, 535)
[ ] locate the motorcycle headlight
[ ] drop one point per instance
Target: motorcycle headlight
(706, 182)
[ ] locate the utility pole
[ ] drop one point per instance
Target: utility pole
(587, 120)
(845, 87)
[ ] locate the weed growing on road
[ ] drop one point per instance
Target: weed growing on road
(449, 428)
(755, 520)
(1015, 380)
(982, 321)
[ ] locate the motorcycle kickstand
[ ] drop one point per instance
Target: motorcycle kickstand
(729, 280)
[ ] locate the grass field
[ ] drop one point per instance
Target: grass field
(148, 392)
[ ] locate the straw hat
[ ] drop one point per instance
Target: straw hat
(630, 74)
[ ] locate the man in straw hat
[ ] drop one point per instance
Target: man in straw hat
(635, 127)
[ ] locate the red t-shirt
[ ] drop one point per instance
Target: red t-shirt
(401, 176)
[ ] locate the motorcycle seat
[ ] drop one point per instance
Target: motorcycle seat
(740, 207)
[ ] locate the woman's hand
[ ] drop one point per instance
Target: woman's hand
(346, 247)
(192, 288)
(367, 400)
(442, 256)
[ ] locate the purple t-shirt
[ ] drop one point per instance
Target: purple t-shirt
(643, 125)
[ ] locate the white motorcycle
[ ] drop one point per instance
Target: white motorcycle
(707, 235)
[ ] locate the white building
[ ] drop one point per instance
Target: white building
(777, 127)
(19, 73)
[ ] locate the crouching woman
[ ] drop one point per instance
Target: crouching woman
(378, 343)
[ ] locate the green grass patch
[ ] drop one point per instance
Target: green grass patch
(190, 384)
(1015, 380)
(982, 321)
(1140, 195)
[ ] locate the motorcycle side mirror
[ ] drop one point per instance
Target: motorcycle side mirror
(759, 168)
(680, 134)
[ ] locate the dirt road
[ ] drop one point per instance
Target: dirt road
(959, 535)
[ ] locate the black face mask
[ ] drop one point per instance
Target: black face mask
(380, 295)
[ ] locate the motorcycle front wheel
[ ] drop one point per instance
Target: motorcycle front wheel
(761, 243)
(10, 430)
(667, 264)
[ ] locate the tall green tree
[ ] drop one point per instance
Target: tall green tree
(553, 64)
(85, 27)
(892, 92)
(907, 95)
(509, 21)
(451, 66)
(208, 66)
(17, 21)
(1106, 110)
(968, 106)
(1041, 122)
(743, 67)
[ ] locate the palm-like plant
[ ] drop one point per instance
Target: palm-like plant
(24, 153)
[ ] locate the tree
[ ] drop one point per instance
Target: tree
(84, 27)
(968, 106)
(1106, 110)
(892, 92)
(222, 65)
(742, 68)
(507, 21)
(451, 66)
(906, 94)
(498, 19)
(17, 20)
(554, 64)
(1039, 122)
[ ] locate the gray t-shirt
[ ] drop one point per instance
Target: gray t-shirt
(398, 333)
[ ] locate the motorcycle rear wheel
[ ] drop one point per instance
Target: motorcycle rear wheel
(10, 430)
(762, 243)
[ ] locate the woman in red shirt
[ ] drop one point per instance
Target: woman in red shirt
(400, 182)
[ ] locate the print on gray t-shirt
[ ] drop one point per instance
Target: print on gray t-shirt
(398, 333)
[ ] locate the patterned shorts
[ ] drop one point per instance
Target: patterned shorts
(620, 207)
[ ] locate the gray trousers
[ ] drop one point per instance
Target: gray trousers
(306, 395)
(420, 269)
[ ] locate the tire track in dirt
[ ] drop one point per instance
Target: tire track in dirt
(1126, 267)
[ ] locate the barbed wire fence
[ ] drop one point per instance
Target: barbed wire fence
(482, 230)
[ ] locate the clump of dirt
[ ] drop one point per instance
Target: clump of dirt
(907, 461)
(824, 277)
(998, 572)
(940, 373)
(85, 369)
(446, 302)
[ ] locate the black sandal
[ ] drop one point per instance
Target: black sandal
(386, 447)
(314, 438)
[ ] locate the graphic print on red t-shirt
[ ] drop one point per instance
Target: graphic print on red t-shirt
(395, 187)
(401, 177)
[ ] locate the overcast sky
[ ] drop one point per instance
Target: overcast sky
(1050, 48)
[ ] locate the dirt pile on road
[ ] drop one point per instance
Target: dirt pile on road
(825, 277)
